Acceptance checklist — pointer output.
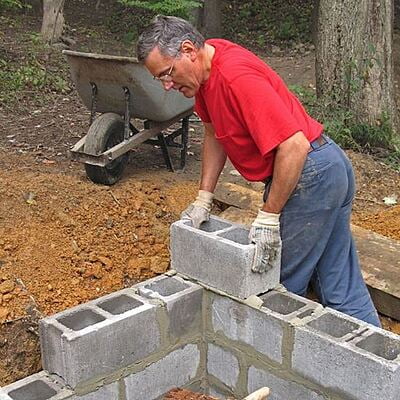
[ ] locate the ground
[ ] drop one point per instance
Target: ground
(65, 240)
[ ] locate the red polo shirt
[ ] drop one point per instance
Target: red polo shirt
(251, 109)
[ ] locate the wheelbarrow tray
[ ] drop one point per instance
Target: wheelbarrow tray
(110, 74)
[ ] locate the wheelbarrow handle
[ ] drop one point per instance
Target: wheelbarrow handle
(260, 394)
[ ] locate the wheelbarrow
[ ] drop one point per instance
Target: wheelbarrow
(120, 89)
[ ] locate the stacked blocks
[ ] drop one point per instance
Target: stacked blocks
(94, 339)
(257, 344)
(349, 357)
(150, 332)
(219, 255)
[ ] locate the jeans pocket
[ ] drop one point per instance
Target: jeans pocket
(312, 172)
(309, 172)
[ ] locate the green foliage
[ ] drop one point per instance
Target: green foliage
(33, 75)
(280, 23)
(342, 126)
(10, 4)
(180, 8)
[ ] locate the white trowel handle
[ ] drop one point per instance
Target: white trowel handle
(260, 394)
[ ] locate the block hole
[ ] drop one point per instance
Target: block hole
(37, 390)
(381, 345)
(282, 303)
(240, 236)
(333, 325)
(80, 320)
(167, 286)
(119, 304)
(305, 314)
(213, 226)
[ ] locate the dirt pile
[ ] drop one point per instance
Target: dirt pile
(64, 240)
(386, 222)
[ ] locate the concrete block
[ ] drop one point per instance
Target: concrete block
(109, 392)
(262, 329)
(176, 369)
(253, 327)
(289, 306)
(349, 357)
(183, 300)
(35, 387)
(281, 389)
(220, 256)
(223, 365)
(99, 337)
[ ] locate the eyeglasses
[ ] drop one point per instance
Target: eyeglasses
(167, 77)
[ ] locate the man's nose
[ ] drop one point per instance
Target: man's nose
(168, 85)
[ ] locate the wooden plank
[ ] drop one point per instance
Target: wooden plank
(380, 264)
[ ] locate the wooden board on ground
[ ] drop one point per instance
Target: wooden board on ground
(239, 196)
(379, 255)
(380, 264)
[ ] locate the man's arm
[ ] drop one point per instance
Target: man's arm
(289, 162)
(213, 159)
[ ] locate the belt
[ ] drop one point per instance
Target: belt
(318, 142)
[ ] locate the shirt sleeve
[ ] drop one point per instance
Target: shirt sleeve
(201, 108)
(263, 112)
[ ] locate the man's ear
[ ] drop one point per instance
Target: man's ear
(188, 48)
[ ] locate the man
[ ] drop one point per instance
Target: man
(250, 116)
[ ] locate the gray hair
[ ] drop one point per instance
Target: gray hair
(167, 33)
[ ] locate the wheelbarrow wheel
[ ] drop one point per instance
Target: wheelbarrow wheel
(106, 131)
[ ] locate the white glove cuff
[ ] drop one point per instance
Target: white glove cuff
(204, 199)
(266, 219)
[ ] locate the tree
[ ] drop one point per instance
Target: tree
(354, 66)
(210, 18)
(53, 20)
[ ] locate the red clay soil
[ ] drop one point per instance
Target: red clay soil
(385, 222)
(183, 394)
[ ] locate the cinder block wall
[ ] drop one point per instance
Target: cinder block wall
(299, 349)
(137, 343)
(175, 331)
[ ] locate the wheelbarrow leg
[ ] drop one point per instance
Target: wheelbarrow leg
(164, 148)
(162, 143)
(184, 142)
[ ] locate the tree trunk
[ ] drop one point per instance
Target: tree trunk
(354, 65)
(211, 18)
(53, 20)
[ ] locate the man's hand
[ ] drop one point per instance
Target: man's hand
(265, 234)
(199, 211)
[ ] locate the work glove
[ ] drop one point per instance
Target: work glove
(199, 211)
(264, 233)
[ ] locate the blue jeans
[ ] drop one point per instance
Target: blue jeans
(317, 245)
